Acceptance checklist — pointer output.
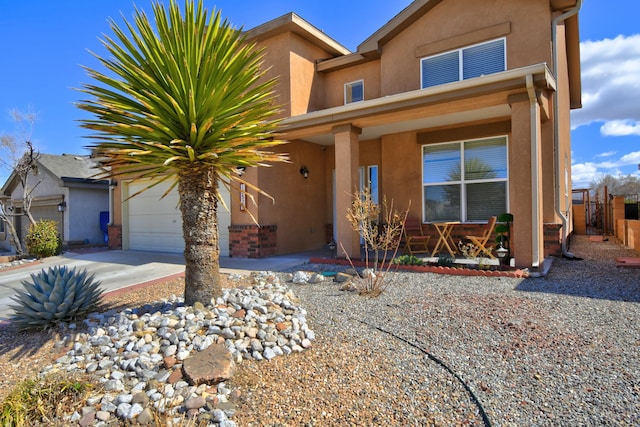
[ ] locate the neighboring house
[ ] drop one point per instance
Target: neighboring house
(484, 84)
(66, 191)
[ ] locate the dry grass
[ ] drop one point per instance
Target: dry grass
(23, 353)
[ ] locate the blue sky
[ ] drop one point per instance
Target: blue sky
(45, 43)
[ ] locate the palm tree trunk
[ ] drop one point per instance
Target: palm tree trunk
(198, 203)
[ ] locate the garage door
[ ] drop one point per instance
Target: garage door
(155, 224)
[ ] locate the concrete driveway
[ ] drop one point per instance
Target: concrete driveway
(121, 269)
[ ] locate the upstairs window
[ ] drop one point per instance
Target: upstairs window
(354, 92)
(466, 63)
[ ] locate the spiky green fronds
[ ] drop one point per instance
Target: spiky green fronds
(55, 295)
(186, 93)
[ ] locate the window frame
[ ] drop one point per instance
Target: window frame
(461, 62)
(370, 179)
(348, 89)
(463, 183)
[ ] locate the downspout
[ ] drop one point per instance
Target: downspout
(535, 172)
(110, 203)
(556, 131)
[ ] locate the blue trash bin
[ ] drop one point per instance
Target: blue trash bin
(104, 225)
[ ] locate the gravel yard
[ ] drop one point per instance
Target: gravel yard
(559, 350)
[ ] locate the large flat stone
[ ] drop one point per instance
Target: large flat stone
(210, 366)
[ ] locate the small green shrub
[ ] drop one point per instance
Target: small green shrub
(408, 260)
(446, 261)
(55, 295)
(43, 239)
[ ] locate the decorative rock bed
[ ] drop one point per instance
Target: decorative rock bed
(176, 359)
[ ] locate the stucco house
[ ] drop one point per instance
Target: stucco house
(65, 191)
(459, 108)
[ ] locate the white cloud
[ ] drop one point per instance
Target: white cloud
(630, 159)
(621, 128)
(606, 154)
(610, 85)
(583, 174)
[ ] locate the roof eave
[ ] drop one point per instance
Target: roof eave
(291, 22)
(573, 61)
(397, 24)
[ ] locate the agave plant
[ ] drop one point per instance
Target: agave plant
(54, 295)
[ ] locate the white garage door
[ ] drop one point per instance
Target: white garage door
(155, 224)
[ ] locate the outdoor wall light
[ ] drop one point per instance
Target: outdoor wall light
(62, 206)
(304, 172)
(502, 251)
(240, 170)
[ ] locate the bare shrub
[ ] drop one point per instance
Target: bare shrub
(380, 227)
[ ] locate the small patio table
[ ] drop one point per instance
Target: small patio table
(444, 239)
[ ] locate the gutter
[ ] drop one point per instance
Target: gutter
(111, 185)
(556, 132)
(535, 172)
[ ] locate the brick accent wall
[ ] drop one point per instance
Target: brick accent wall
(252, 241)
(552, 240)
(115, 237)
(328, 233)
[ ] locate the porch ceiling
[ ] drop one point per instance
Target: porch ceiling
(473, 100)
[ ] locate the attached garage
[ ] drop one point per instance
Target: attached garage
(154, 224)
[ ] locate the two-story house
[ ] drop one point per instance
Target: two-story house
(458, 108)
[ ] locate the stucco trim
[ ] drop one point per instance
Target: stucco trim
(466, 88)
(397, 24)
(562, 4)
(340, 62)
(466, 39)
(291, 22)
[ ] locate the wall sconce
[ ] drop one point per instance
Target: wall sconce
(304, 172)
(62, 206)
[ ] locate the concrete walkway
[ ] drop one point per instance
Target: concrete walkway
(121, 269)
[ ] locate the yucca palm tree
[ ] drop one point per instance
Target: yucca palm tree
(186, 101)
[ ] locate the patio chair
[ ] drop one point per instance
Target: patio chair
(415, 241)
(481, 241)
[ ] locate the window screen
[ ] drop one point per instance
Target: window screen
(465, 63)
(487, 58)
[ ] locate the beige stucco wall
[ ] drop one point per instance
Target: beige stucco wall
(527, 41)
(298, 210)
(369, 72)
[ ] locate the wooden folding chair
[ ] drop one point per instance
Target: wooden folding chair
(481, 241)
(415, 241)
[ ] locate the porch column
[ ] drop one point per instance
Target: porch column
(525, 176)
(347, 161)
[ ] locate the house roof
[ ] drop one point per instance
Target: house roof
(70, 166)
(291, 22)
(413, 12)
(67, 168)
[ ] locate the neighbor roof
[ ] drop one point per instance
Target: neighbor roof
(68, 168)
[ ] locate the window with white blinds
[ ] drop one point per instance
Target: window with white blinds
(469, 193)
(466, 63)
